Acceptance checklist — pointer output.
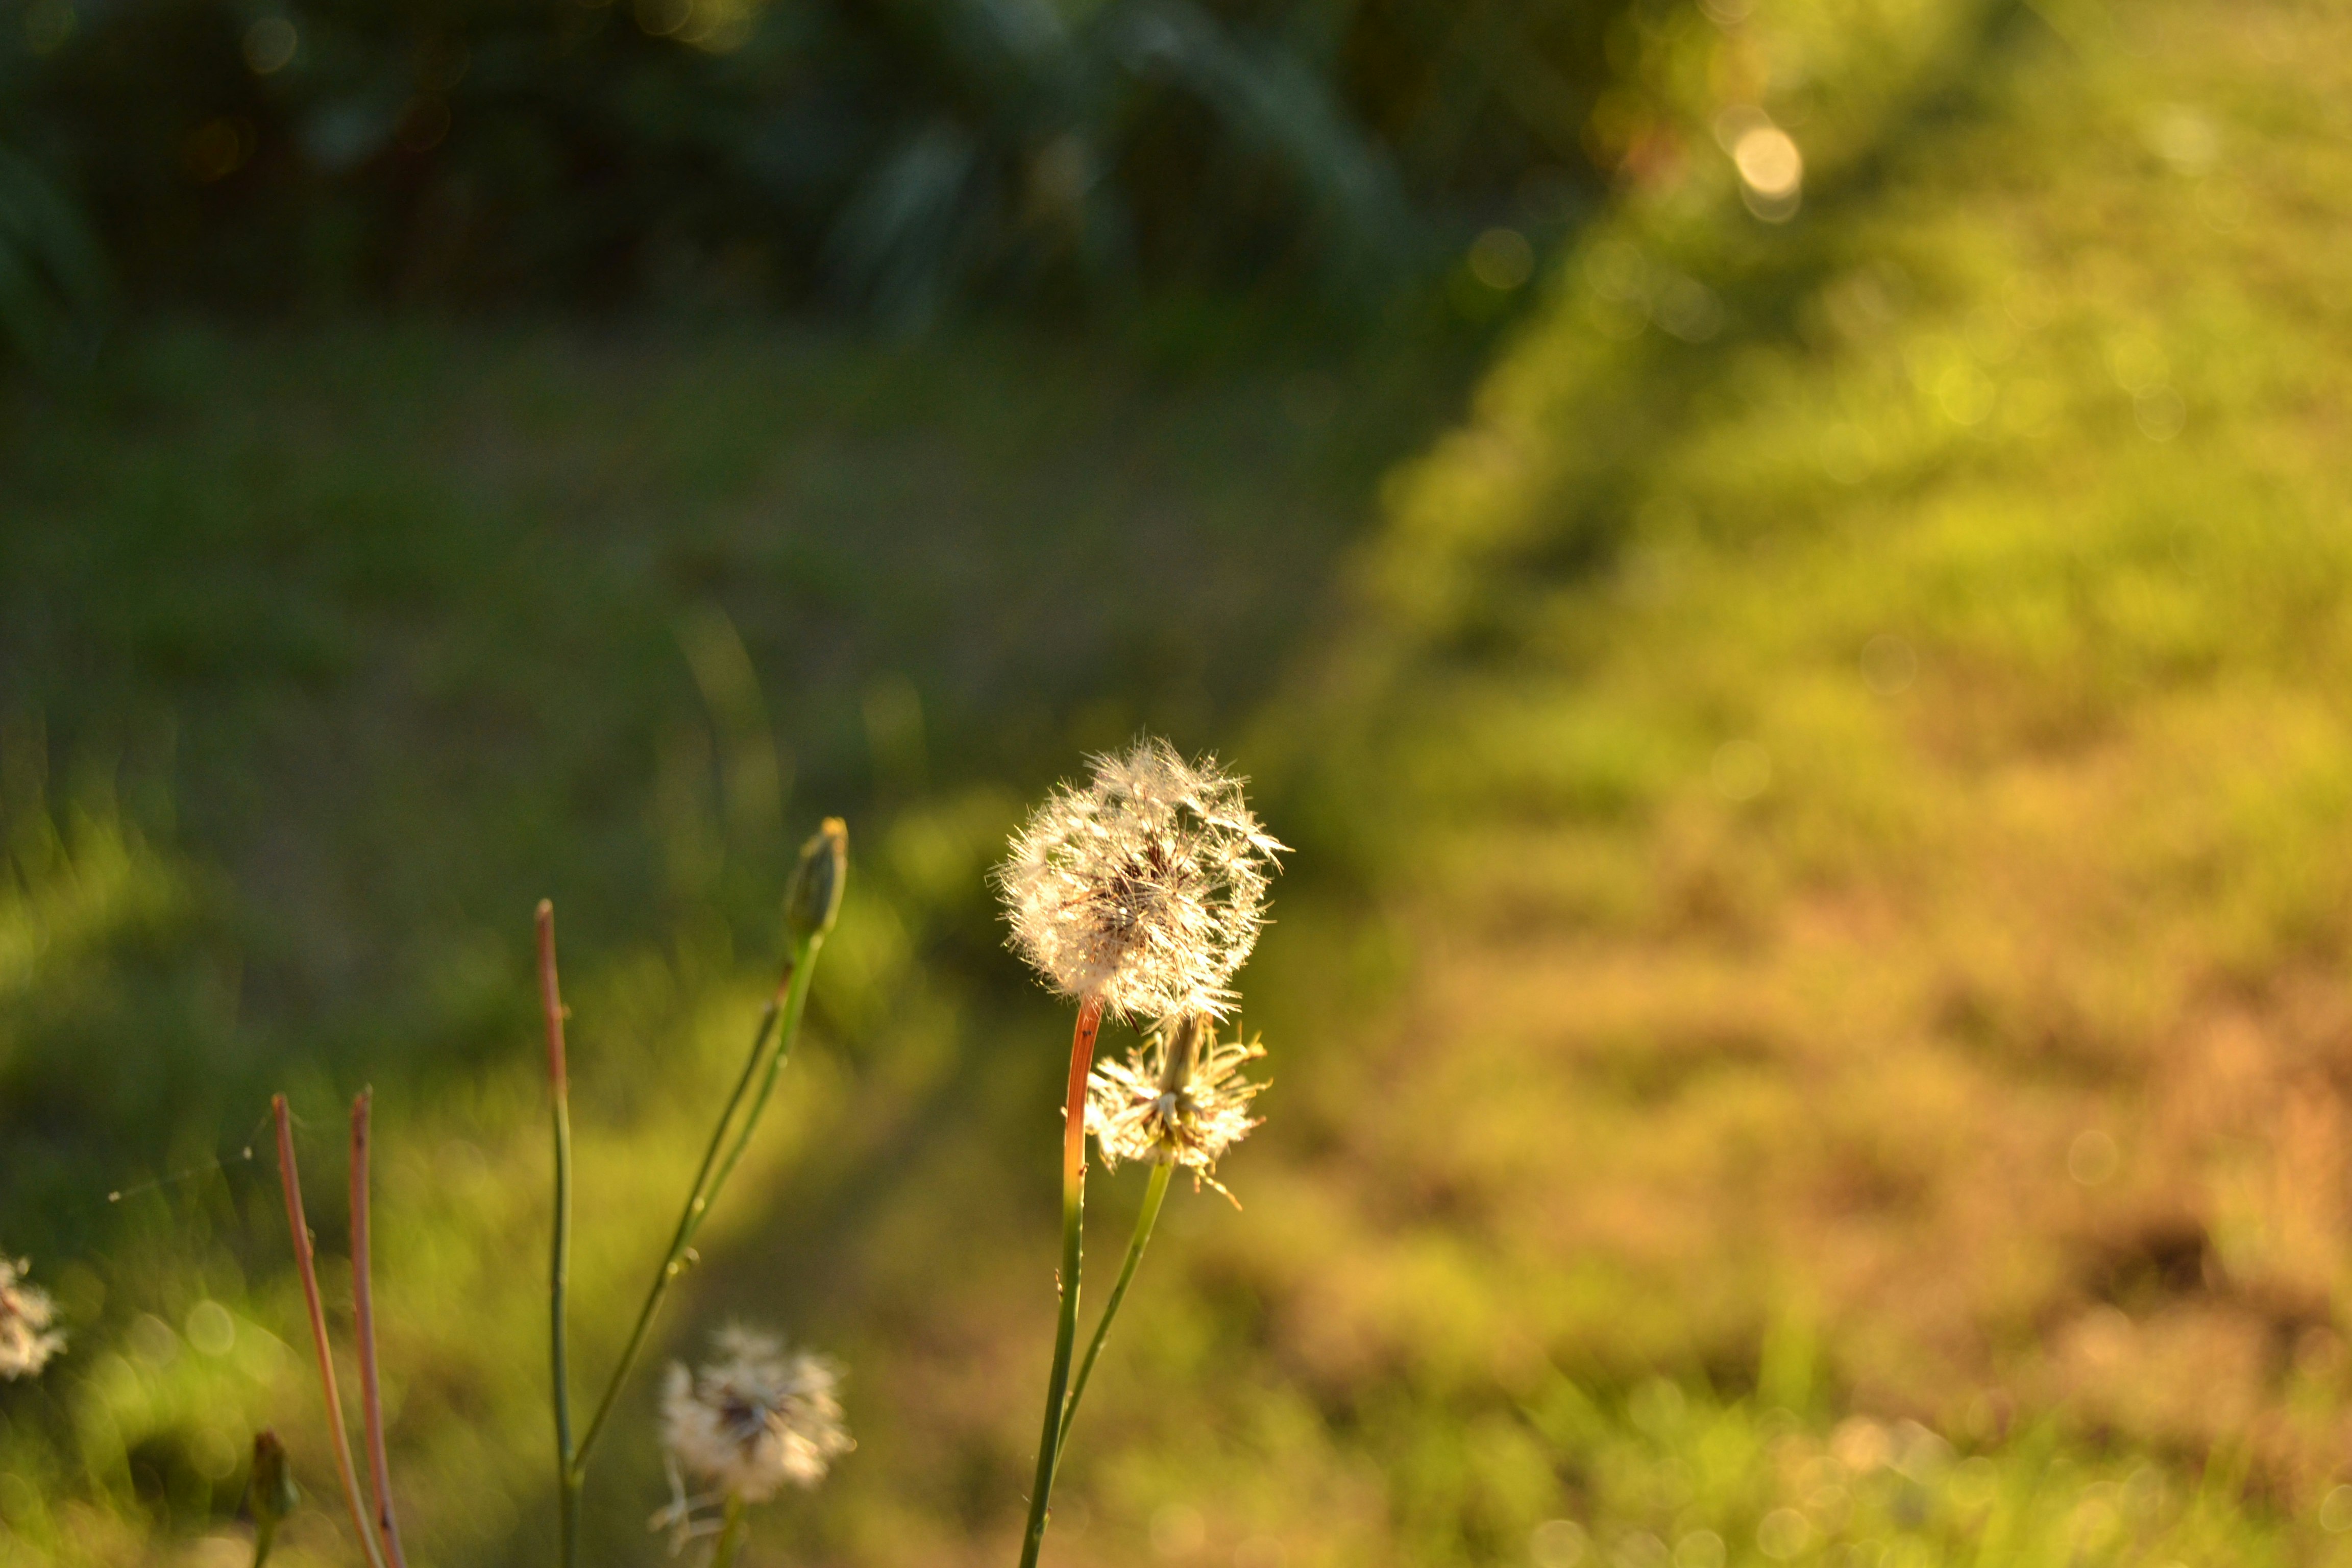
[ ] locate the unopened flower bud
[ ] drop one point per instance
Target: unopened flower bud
(270, 1495)
(814, 899)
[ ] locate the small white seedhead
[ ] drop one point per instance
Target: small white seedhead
(27, 1342)
(755, 1419)
(1144, 891)
(1180, 1100)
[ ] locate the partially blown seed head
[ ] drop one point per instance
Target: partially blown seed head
(1144, 891)
(1180, 1100)
(26, 1343)
(755, 1418)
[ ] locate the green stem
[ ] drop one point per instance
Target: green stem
(731, 1534)
(1066, 1327)
(795, 1002)
(787, 1005)
(559, 1282)
(1153, 1196)
(363, 1328)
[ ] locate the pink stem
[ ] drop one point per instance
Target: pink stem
(291, 1181)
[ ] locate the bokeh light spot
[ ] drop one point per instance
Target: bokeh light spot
(48, 23)
(1502, 259)
(662, 17)
(1699, 1549)
(1560, 1543)
(2138, 363)
(1888, 665)
(2159, 412)
(1783, 1533)
(1261, 1551)
(213, 1454)
(424, 125)
(2093, 1157)
(1689, 310)
(1769, 162)
(1741, 770)
(1771, 171)
(152, 1341)
(270, 44)
(210, 1328)
(1640, 1549)
(219, 148)
(1178, 1531)
(1965, 394)
(1845, 452)
(2184, 138)
(1861, 1444)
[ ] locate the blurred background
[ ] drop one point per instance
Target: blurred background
(1782, 564)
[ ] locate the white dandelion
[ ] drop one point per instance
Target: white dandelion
(755, 1419)
(27, 1342)
(1144, 891)
(1180, 1100)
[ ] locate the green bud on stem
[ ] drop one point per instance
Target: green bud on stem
(271, 1494)
(814, 899)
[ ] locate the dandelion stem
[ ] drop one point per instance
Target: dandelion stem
(291, 1180)
(786, 1007)
(1153, 1196)
(1065, 1328)
(558, 1281)
(731, 1534)
(363, 1327)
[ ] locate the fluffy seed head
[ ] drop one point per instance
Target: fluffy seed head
(755, 1418)
(26, 1343)
(1180, 1100)
(1144, 891)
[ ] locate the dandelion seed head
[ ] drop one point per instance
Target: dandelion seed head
(1180, 1100)
(756, 1418)
(27, 1342)
(1145, 890)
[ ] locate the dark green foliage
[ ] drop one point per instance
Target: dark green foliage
(891, 155)
(53, 285)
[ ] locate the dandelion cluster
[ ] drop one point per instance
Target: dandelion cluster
(1180, 1100)
(26, 1341)
(756, 1418)
(1144, 891)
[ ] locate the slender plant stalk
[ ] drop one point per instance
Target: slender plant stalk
(1153, 1196)
(363, 1314)
(731, 1534)
(786, 1007)
(796, 1000)
(290, 1180)
(1066, 1327)
(558, 1284)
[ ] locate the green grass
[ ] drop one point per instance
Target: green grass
(1807, 1019)
(328, 655)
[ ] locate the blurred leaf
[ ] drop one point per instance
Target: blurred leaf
(53, 281)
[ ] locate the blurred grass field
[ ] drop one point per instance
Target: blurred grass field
(1808, 1018)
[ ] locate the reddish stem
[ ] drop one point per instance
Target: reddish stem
(291, 1182)
(551, 1000)
(364, 1299)
(1074, 1124)
(1066, 1324)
